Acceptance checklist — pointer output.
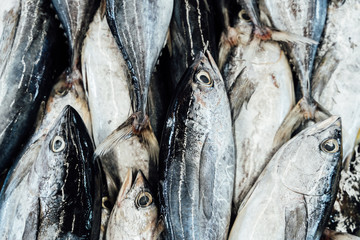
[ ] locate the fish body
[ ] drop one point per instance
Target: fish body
(332, 235)
(256, 120)
(339, 92)
(58, 187)
(75, 17)
(139, 28)
(197, 156)
(32, 61)
(303, 18)
(191, 31)
(135, 214)
(106, 79)
(293, 196)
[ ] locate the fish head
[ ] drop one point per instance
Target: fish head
(135, 213)
(310, 162)
(244, 27)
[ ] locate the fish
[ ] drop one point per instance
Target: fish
(305, 19)
(293, 196)
(124, 149)
(191, 31)
(332, 235)
(139, 29)
(259, 82)
(106, 78)
(33, 58)
(197, 156)
(59, 187)
(337, 63)
(75, 17)
(135, 214)
(345, 215)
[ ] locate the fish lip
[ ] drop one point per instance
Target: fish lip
(324, 125)
(125, 187)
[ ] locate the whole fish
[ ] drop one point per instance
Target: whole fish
(139, 28)
(58, 189)
(106, 78)
(191, 31)
(332, 235)
(307, 19)
(293, 196)
(197, 156)
(33, 57)
(260, 86)
(345, 216)
(135, 214)
(75, 17)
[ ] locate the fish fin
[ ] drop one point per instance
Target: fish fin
(228, 39)
(290, 37)
(324, 71)
(32, 223)
(125, 187)
(321, 113)
(296, 221)
(102, 9)
(123, 132)
(239, 93)
(291, 122)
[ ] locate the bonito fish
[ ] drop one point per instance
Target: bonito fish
(135, 214)
(55, 199)
(32, 57)
(293, 196)
(106, 78)
(197, 156)
(75, 17)
(261, 91)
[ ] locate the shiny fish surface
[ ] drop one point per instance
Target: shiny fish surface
(293, 196)
(106, 79)
(57, 188)
(256, 120)
(135, 214)
(139, 28)
(197, 156)
(27, 72)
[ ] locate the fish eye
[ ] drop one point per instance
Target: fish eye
(244, 16)
(204, 78)
(330, 146)
(57, 144)
(143, 200)
(105, 203)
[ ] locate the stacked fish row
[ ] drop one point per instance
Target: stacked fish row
(90, 88)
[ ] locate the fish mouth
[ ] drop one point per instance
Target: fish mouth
(333, 121)
(125, 187)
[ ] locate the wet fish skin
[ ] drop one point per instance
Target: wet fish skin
(75, 17)
(66, 198)
(56, 177)
(135, 213)
(105, 78)
(139, 28)
(197, 156)
(303, 175)
(305, 19)
(191, 30)
(332, 235)
(260, 87)
(34, 58)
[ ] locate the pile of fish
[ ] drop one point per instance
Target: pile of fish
(170, 119)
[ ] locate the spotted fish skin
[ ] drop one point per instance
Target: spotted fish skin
(33, 60)
(139, 28)
(75, 17)
(197, 156)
